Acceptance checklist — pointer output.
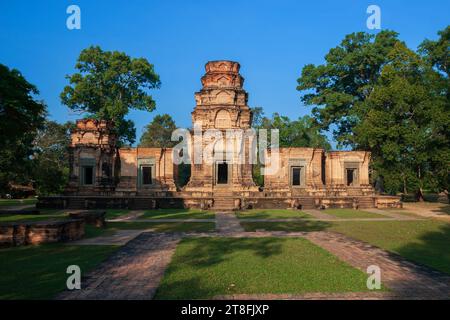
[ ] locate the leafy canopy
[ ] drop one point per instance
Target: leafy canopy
(108, 84)
(20, 116)
(347, 78)
(158, 133)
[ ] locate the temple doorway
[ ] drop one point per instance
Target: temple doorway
(222, 173)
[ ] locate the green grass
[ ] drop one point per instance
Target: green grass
(45, 214)
(206, 267)
(164, 226)
(115, 213)
(303, 225)
(39, 272)
(177, 214)
(351, 213)
(17, 202)
(272, 214)
(425, 241)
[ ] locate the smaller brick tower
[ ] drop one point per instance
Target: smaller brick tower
(92, 154)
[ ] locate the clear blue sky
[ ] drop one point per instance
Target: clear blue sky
(272, 40)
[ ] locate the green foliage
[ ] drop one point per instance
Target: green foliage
(302, 132)
(51, 159)
(20, 116)
(108, 84)
(159, 132)
(347, 78)
(388, 99)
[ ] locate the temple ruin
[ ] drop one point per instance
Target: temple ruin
(104, 176)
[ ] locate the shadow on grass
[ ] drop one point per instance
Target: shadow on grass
(291, 226)
(431, 249)
(443, 210)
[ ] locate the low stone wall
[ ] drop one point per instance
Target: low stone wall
(384, 202)
(96, 218)
(25, 233)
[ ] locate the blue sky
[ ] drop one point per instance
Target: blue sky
(272, 40)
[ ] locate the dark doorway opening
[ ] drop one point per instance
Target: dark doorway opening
(146, 175)
(350, 177)
(222, 173)
(88, 175)
(296, 176)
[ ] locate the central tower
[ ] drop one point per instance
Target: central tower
(221, 106)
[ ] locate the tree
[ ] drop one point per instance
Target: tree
(437, 52)
(108, 84)
(20, 117)
(336, 88)
(298, 133)
(159, 132)
(302, 132)
(51, 159)
(405, 123)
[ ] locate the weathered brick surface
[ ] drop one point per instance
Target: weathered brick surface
(96, 218)
(24, 233)
(134, 272)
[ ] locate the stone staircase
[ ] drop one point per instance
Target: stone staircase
(307, 203)
(366, 202)
(76, 203)
(143, 203)
(223, 200)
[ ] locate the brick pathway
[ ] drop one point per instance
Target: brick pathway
(227, 223)
(404, 278)
(134, 272)
(120, 237)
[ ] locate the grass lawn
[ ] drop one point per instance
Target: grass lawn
(17, 202)
(351, 213)
(164, 226)
(206, 267)
(177, 214)
(426, 241)
(423, 241)
(39, 272)
(302, 225)
(115, 213)
(45, 214)
(271, 214)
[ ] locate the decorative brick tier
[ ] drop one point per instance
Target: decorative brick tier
(257, 200)
(25, 233)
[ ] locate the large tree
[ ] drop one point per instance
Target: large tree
(158, 133)
(345, 80)
(50, 160)
(404, 123)
(21, 115)
(389, 100)
(108, 84)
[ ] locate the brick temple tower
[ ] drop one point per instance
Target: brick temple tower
(92, 154)
(221, 105)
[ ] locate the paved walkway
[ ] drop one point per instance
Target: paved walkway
(404, 278)
(227, 223)
(134, 272)
(120, 237)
